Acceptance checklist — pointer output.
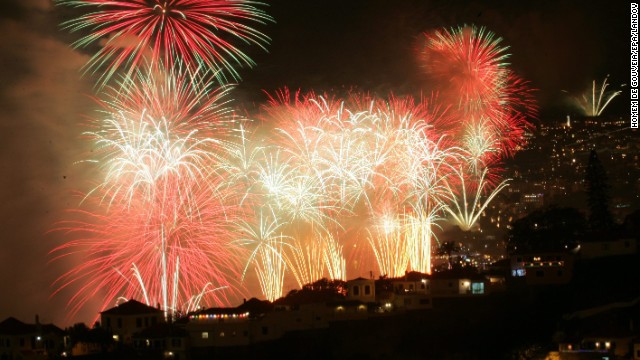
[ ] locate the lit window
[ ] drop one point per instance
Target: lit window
(205, 335)
(477, 288)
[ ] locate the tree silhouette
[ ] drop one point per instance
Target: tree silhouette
(550, 230)
(600, 218)
(448, 248)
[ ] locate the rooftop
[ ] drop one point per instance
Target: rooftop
(132, 307)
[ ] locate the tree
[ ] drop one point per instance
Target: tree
(552, 229)
(448, 248)
(600, 218)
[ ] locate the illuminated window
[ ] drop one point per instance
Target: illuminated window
(205, 335)
(477, 288)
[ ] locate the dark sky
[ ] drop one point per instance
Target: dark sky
(320, 45)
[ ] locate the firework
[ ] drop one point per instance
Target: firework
(197, 33)
(389, 247)
(305, 259)
(266, 240)
(468, 65)
(594, 103)
(469, 196)
(270, 268)
(333, 259)
(136, 251)
(163, 218)
(419, 234)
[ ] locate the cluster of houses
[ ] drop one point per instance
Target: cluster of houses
(144, 329)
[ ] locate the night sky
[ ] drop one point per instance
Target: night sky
(320, 45)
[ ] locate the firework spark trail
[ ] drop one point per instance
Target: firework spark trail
(594, 103)
(482, 145)
(194, 32)
(305, 259)
(464, 211)
(389, 247)
(270, 267)
(333, 258)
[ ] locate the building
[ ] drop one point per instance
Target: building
(598, 249)
(129, 318)
(361, 289)
(162, 340)
(607, 331)
(219, 327)
(543, 268)
(19, 340)
(458, 283)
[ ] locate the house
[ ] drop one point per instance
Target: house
(607, 331)
(361, 289)
(163, 340)
(218, 327)
(409, 292)
(19, 340)
(129, 318)
(83, 341)
(543, 268)
(458, 283)
(598, 249)
(347, 310)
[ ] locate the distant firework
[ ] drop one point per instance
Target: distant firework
(195, 32)
(593, 103)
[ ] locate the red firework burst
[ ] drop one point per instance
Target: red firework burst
(153, 254)
(469, 66)
(194, 32)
